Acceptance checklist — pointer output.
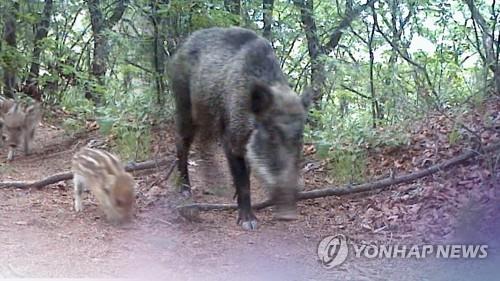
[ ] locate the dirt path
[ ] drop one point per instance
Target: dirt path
(42, 237)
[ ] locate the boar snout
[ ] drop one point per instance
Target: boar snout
(284, 197)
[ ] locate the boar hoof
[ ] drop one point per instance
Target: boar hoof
(249, 225)
(247, 220)
(186, 192)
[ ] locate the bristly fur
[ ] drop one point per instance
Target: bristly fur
(5, 105)
(228, 85)
(18, 123)
(104, 174)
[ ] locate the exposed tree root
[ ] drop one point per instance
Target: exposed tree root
(371, 186)
(330, 191)
(150, 164)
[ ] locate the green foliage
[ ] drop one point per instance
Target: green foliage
(454, 136)
(434, 61)
(128, 117)
(72, 126)
(347, 165)
(344, 141)
(11, 58)
(204, 15)
(133, 140)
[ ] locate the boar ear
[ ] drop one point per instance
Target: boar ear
(261, 97)
(306, 97)
(33, 113)
(12, 108)
(32, 108)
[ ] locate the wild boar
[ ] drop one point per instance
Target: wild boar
(228, 86)
(105, 176)
(18, 124)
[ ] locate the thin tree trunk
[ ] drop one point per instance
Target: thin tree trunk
(490, 44)
(101, 49)
(159, 48)
(42, 29)
(267, 14)
(98, 69)
(313, 46)
(9, 36)
(398, 25)
(372, 82)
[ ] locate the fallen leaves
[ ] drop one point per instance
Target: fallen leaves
(423, 211)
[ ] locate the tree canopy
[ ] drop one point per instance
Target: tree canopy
(371, 64)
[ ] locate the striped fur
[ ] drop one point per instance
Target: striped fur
(105, 176)
(5, 105)
(18, 123)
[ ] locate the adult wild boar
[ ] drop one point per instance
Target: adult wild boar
(228, 85)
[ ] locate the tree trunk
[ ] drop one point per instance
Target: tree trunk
(267, 14)
(100, 42)
(314, 47)
(398, 25)
(42, 28)
(9, 36)
(372, 82)
(490, 44)
(99, 24)
(159, 59)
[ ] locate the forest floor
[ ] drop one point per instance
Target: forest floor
(41, 236)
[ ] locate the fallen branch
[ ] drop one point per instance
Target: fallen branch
(150, 164)
(371, 186)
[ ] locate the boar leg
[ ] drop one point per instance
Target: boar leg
(78, 190)
(184, 137)
(28, 138)
(183, 145)
(2, 137)
(10, 156)
(241, 178)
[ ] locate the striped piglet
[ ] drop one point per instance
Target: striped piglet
(105, 176)
(18, 123)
